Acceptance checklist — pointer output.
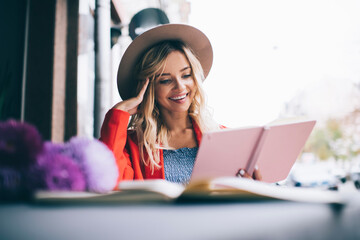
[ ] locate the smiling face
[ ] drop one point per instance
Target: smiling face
(174, 86)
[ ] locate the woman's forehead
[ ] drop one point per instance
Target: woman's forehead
(176, 60)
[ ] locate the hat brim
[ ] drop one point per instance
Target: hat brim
(191, 36)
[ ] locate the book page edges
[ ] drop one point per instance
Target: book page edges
(227, 187)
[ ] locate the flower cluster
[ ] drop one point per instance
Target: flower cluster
(96, 161)
(20, 143)
(55, 171)
(27, 163)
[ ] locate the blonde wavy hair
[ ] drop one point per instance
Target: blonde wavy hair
(151, 131)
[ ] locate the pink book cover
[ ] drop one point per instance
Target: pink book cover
(273, 148)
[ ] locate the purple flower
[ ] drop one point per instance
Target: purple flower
(20, 143)
(55, 171)
(96, 161)
(12, 184)
(50, 148)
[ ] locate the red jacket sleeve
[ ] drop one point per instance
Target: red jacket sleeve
(114, 135)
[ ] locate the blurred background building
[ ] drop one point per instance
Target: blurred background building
(59, 60)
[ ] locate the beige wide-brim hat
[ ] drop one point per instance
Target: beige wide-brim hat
(191, 36)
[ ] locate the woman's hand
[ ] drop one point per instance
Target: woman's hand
(131, 105)
(256, 174)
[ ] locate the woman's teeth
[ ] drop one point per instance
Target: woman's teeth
(179, 97)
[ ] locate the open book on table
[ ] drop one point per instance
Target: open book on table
(219, 189)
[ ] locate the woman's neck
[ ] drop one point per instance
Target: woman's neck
(181, 130)
(176, 122)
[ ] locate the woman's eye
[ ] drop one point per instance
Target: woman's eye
(187, 76)
(165, 81)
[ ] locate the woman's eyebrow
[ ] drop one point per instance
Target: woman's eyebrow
(163, 74)
(187, 67)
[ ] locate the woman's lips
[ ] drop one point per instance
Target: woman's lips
(179, 97)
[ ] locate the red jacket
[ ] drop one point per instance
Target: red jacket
(123, 143)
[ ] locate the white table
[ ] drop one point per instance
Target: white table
(241, 220)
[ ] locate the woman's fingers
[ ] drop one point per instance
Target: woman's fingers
(143, 89)
(132, 104)
(135, 102)
(257, 174)
(244, 174)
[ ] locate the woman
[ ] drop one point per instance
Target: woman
(159, 80)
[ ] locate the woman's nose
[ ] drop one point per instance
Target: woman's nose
(179, 84)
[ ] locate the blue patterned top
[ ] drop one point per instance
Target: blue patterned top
(178, 164)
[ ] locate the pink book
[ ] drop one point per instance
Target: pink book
(273, 148)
